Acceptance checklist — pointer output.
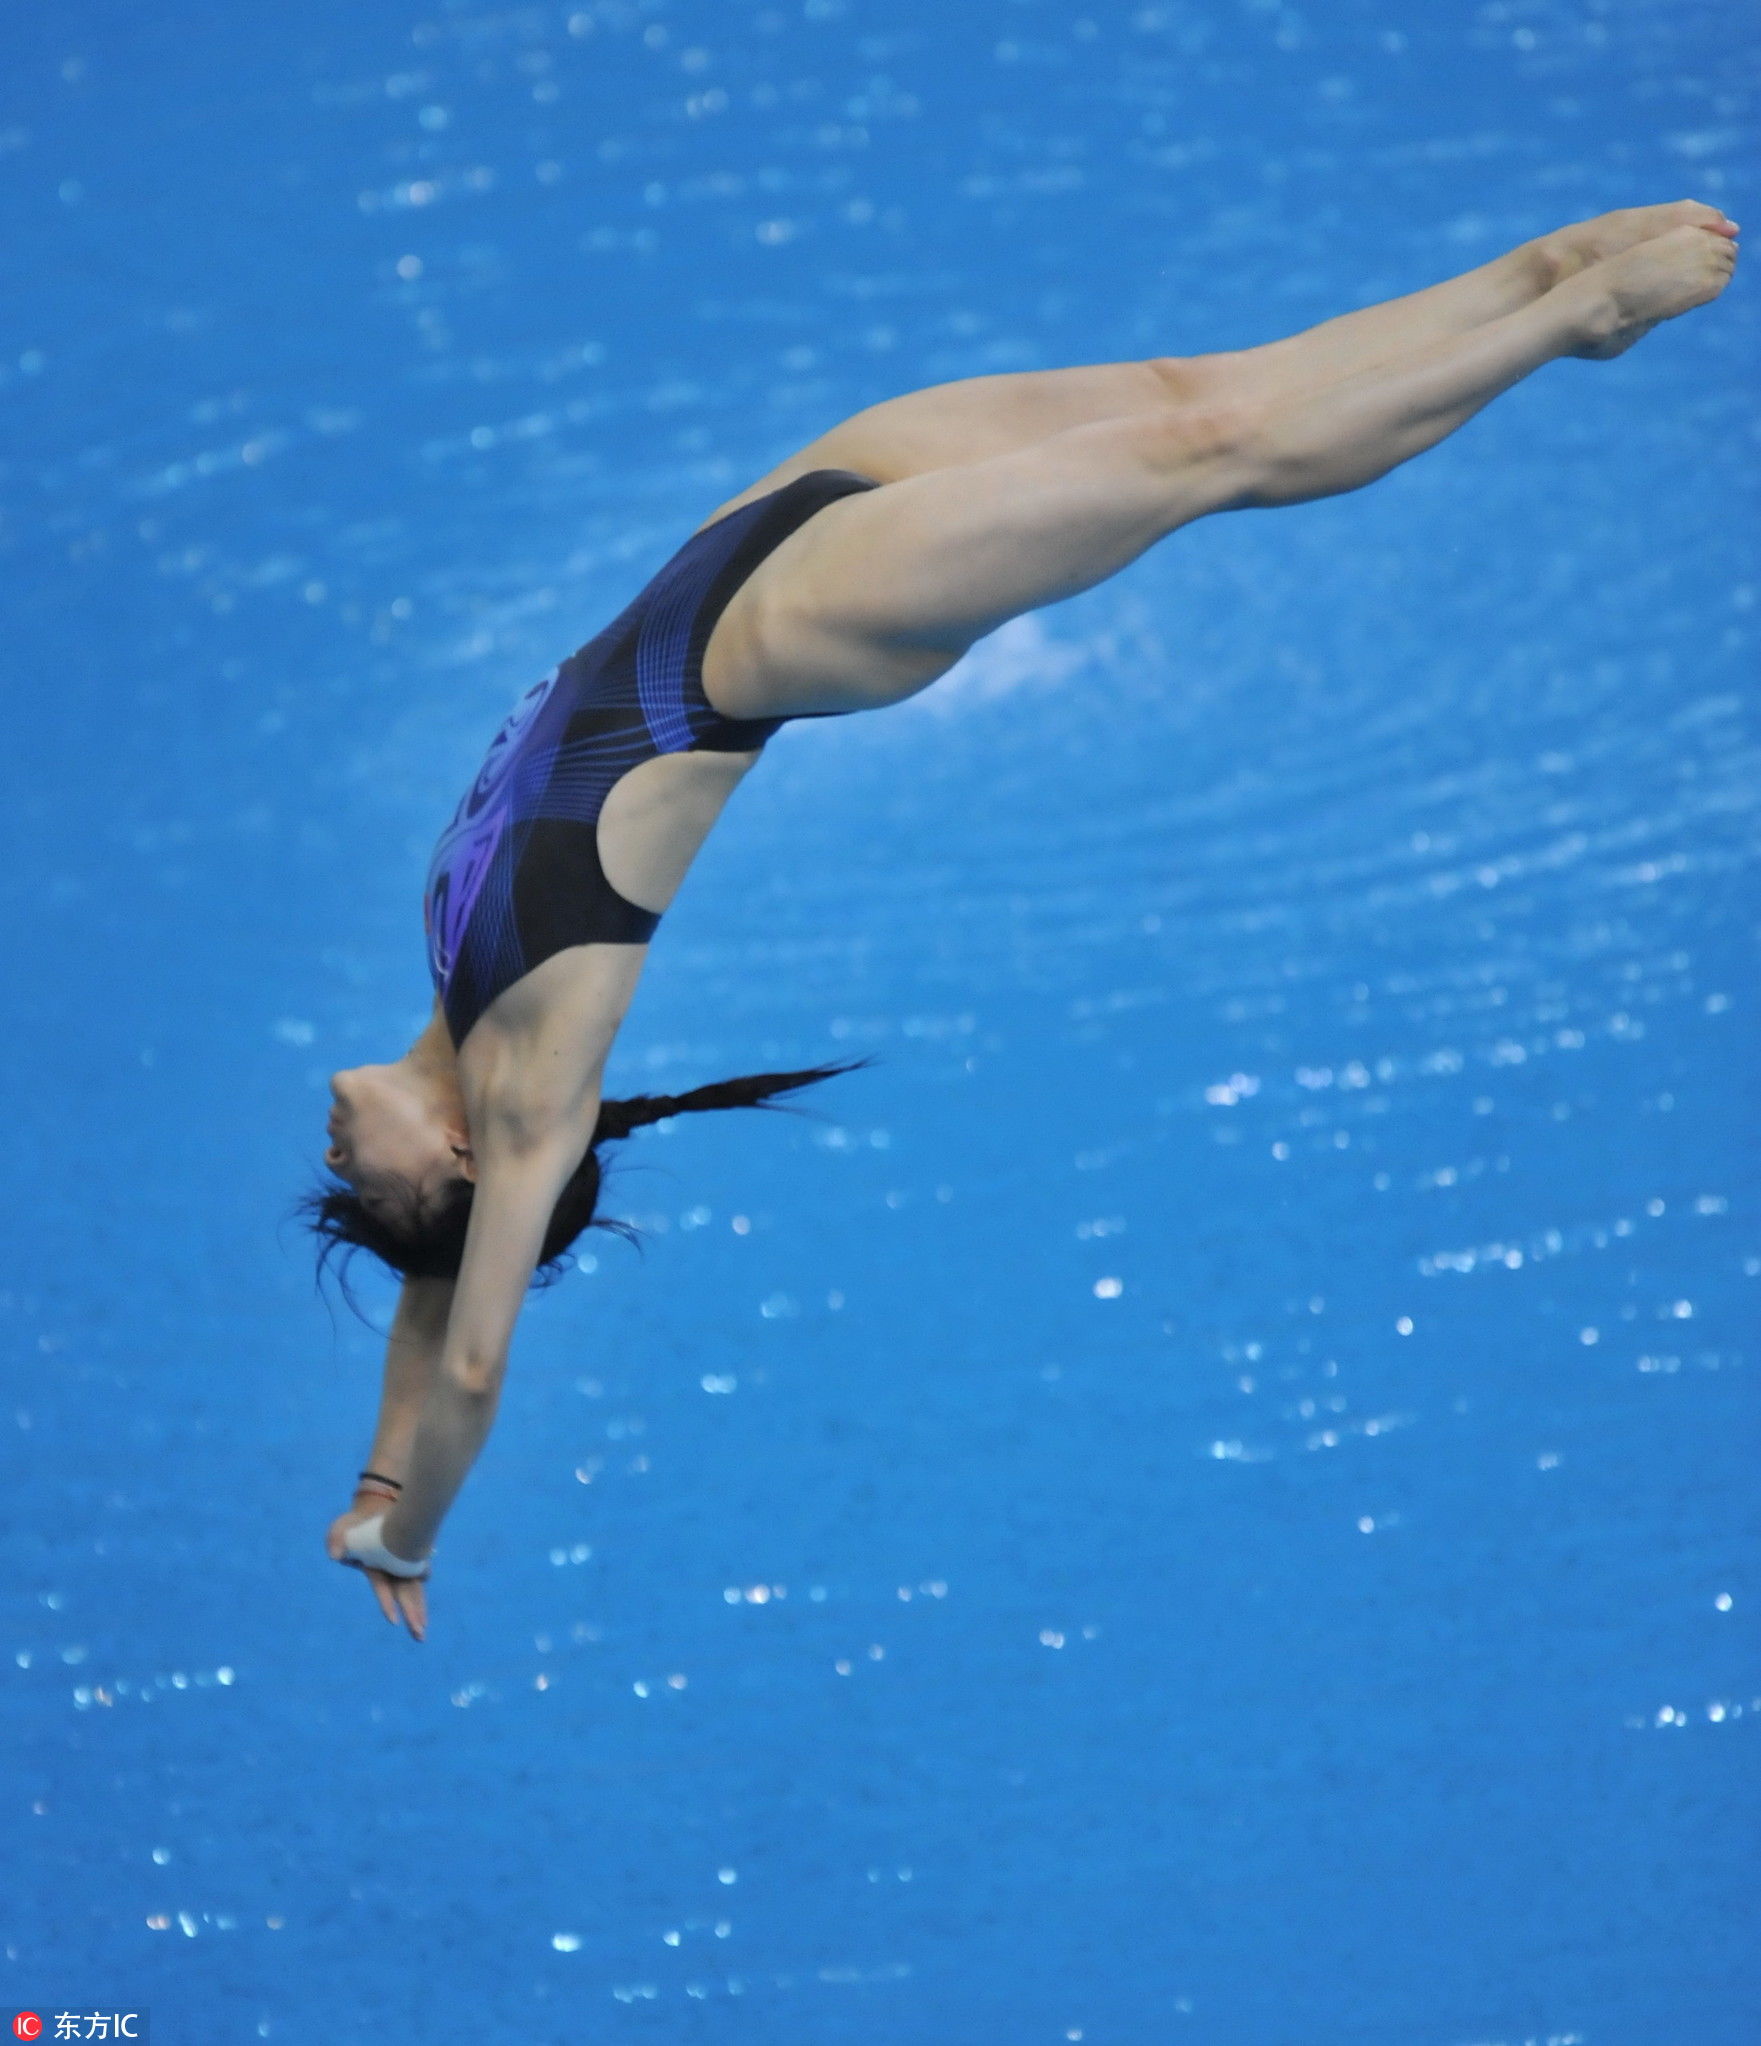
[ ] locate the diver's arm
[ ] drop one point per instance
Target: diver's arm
(531, 1073)
(412, 1355)
(517, 1189)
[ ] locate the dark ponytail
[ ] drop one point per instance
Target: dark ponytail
(426, 1240)
(752, 1090)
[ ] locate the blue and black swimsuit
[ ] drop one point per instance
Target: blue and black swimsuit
(516, 876)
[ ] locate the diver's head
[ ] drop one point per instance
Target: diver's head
(396, 1125)
(402, 1178)
(399, 1169)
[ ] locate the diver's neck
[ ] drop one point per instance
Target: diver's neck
(431, 1059)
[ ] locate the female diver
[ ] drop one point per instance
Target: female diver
(848, 578)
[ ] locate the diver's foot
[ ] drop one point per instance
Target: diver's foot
(1627, 295)
(1569, 250)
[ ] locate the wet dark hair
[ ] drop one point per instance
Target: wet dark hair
(420, 1239)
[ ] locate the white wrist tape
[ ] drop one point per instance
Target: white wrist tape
(365, 1544)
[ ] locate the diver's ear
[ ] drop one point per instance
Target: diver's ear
(466, 1160)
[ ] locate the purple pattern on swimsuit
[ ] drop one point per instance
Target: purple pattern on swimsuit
(467, 847)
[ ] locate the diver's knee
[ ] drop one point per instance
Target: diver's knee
(1224, 436)
(1201, 379)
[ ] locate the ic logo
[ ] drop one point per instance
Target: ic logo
(27, 2025)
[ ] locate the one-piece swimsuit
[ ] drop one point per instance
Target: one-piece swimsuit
(517, 876)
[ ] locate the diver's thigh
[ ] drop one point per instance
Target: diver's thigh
(976, 419)
(882, 591)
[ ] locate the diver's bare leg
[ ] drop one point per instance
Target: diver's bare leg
(979, 418)
(881, 592)
(1377, 334)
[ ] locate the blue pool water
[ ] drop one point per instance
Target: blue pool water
(1209, 1494)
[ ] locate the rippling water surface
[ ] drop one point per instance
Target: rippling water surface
(1209, 1494)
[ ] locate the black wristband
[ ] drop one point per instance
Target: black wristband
(379, 1478)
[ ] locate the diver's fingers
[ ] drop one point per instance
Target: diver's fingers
(383, 1592)
(412, 1600)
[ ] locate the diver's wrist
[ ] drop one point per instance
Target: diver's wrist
(366, 1544)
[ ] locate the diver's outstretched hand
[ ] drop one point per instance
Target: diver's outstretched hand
(404, 1598)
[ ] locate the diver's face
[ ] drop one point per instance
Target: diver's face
(383, 1126)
